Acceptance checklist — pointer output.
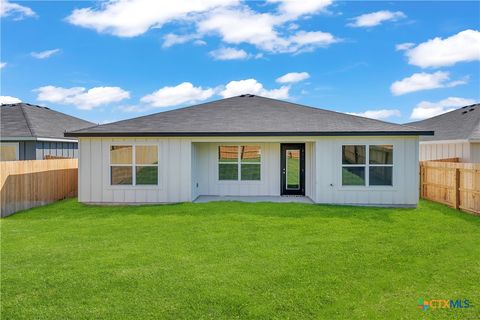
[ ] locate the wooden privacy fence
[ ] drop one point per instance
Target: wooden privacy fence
(454, 184)
(32, 183)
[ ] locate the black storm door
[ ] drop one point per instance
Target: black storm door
(292, 168)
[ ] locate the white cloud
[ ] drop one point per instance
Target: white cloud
(378, 114)
(404, 46)
(9, 100)
(461, 47)
(172, 39)
(305, 41)
(293, 77)
(259, 29)
(427, 109)
(229, 54)
(180, 94)
(44, 54)
(424, 81)
(236, 26)
(133, 108)
(252, 86)
(234, 21)
(14, 9)
(80, 97)
(200, 42)
(292, 9)
(3, 65)
(130, 18)
(375, 18)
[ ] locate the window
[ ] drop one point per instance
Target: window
(378, 172)
(125, 169)
(9, 151)
(239, 163)
(381, 165)
(353, 165)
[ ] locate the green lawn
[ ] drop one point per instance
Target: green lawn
(238, 260)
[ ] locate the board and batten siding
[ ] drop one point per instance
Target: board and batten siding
(405, 187)
(437, 151)
(207, 172)
(188, 168)
(174, 181)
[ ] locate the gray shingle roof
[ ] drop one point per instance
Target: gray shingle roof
(247, 115)
(460, 124)
(26, 120)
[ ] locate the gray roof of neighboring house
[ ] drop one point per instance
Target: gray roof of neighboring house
(459, 124)
(247, 115)
(27, 120)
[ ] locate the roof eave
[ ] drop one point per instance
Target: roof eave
(247, 134)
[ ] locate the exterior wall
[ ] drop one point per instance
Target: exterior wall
(26, 150)
(207, 172)
(174, 172)
(405, 187)
(188, 168)
(59, 149)
(474, 152)
(37, 150)
(437, 150)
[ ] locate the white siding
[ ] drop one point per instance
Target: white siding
(436, 151)
(185, 162)
(174, 172)
(329, 187)
(310, 176)
(207, 175)
(474, 152)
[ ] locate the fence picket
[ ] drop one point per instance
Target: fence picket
(31, 183)
(451, 183)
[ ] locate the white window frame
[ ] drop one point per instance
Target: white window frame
(239, 163)
(17, 149)
(379, 165)
(367, 165)
(133, 165)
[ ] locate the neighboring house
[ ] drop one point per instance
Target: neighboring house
(457, 135)
(30, 132)
(249, 146)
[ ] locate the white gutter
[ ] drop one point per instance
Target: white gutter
(37, 139)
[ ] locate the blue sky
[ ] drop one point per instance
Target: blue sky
(110, 61)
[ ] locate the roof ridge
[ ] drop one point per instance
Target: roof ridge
(475, 127)
(27, 119)
(336, 112)
(446, 113)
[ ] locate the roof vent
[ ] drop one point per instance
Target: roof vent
(243, 95)
(471, 109)
(463, 112)
(251, 95)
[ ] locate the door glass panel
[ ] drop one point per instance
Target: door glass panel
(293, 169)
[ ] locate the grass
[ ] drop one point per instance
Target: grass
(238, 260)
(293, 172)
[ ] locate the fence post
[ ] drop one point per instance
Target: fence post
(422, 179)
(456, 190)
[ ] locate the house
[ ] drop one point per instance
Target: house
(249, 146)
(30, 132)
(457, 135)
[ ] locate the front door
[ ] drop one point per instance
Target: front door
(292, 168)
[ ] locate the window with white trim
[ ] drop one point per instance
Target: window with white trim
(239, 163)
(9, 151)
(362, 168)
(134, 165)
